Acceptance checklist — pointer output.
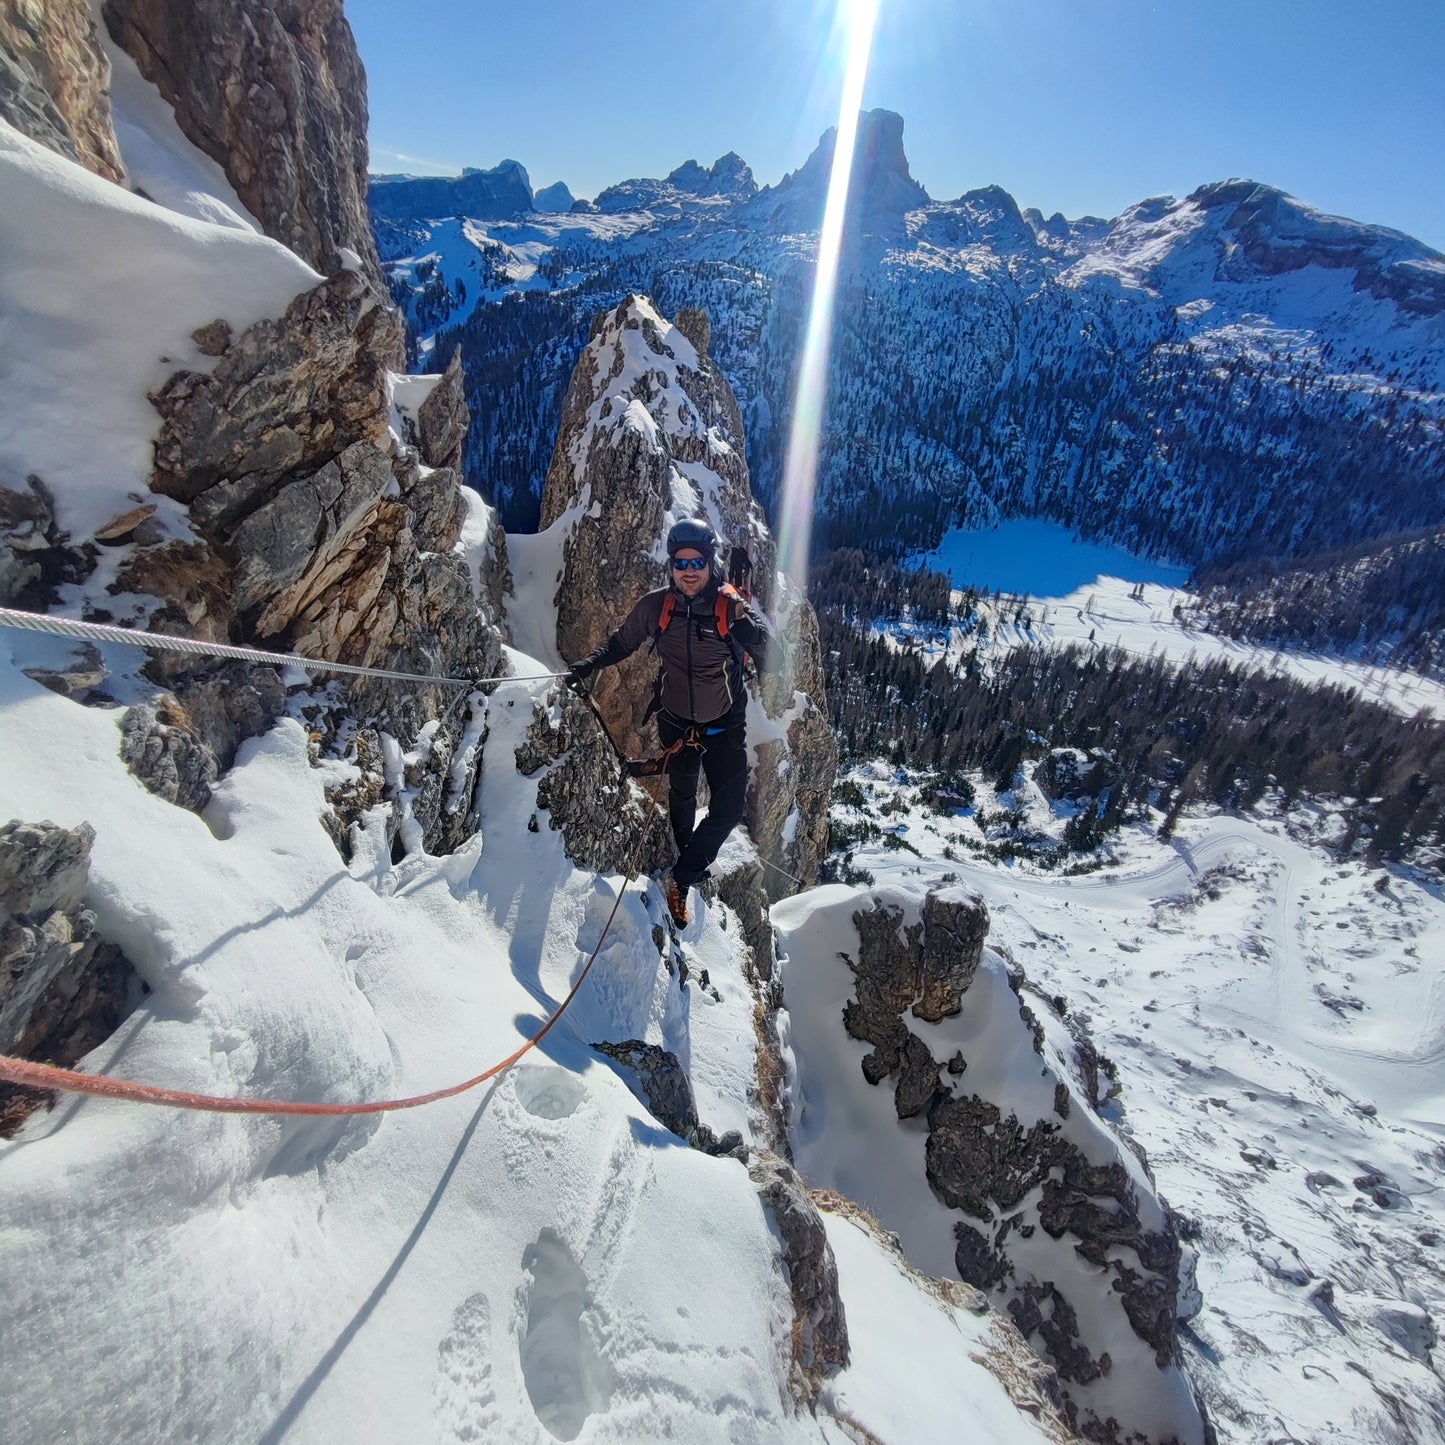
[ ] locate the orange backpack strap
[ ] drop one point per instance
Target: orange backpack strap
(727, 594)
(665, 616)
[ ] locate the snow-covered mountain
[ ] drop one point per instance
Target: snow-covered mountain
(1233, 373)
(504, 190)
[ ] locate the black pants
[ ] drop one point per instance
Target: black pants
(724, 758)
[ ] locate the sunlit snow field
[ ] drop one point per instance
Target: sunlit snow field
(1094, 594)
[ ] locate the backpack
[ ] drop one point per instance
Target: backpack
(727, 594)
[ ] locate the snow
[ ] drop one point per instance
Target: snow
(99, 293)
(1278, 1022)
(159, 160)
(1087, 594)
(847, 1136)
(901, 1337)
(538, 1260)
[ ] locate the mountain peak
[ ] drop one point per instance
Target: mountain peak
(882, 185)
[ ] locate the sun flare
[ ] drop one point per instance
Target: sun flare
(801, 465)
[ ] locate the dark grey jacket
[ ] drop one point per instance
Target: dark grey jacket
(702, 673)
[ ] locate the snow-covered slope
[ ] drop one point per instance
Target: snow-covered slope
(1272, 1022)
(538, 1260)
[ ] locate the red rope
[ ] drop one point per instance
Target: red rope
(47, 1076)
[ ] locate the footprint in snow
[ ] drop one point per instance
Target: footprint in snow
(466, 1402)
(566, 1377)
(547, 1091)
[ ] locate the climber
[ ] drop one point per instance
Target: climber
(700, 628)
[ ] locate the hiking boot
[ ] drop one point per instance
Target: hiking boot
(677, 903)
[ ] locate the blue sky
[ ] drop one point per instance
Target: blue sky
(1080, 106)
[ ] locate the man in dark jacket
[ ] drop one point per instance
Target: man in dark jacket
(703, 695)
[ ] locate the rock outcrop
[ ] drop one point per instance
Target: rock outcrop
(651, 432)
(320, 536)
(820, 1327)
(63, 988)
(274, 92)
(603, 817)
(314, 532)
(1059, 1221)
(54, 81)
(35, 555)
(663, 1083)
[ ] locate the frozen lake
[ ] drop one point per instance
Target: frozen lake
(1040, 558)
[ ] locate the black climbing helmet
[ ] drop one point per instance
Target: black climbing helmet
(693, 532)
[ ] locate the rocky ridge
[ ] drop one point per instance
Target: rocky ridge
(651, 433)
(274, 92)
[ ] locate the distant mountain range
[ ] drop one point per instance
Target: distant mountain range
(1228, 375)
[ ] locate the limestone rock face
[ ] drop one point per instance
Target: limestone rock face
(322, 536)
(63, 988)
(274, 91)
(820, 1335)
(442, 419)
(600, 815)
(651, 433)
(288, 395)
(182, 742)
(1051, 1201)
(55, 81)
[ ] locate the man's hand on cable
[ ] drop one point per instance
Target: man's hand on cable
(576, 677)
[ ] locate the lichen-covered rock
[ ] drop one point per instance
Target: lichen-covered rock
(820, 1333)
(791, 787)
(63, 988)
(274, 92)
(55, 81)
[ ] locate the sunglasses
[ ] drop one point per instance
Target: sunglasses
(689, 564)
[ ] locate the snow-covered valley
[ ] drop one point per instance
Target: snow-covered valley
(1277, 1021)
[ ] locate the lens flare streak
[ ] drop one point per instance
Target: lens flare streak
(801, 467)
